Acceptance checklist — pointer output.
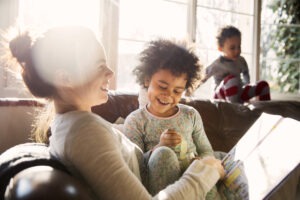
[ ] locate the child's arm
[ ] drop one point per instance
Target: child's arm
(200, 139)
(245, 71)
(211, 70)
(208, 73)
(133, 130)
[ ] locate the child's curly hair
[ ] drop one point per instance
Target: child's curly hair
(175, 56)
(227, 32)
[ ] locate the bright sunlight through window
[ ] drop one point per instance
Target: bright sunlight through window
(58, 12)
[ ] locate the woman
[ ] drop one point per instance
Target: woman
(68, 66)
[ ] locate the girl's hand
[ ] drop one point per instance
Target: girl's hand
(169, 138)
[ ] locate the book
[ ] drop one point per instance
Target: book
(267, 153)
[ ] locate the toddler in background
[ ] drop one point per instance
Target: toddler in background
(229, 67)
(170, 134)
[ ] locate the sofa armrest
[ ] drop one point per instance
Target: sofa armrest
(45, 182)
(31, 164)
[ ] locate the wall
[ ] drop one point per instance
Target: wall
(16, 117)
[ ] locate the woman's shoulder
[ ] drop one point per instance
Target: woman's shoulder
(85, 118)
(75, 115)
(81, 121)
(89, 127)
(65, 121)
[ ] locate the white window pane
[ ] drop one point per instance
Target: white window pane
(56, 12)
(209, 21)
(279, 55)
(139, 22)
(211, 16)
(240, 6)
(146, 19)
(128, 54)
(44, 14)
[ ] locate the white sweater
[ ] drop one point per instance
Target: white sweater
(105, 159)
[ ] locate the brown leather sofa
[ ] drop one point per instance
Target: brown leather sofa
(224, 123)
(47, 178)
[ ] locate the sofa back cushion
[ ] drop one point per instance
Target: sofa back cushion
(224, 123)
(16, 119)
(118, 105)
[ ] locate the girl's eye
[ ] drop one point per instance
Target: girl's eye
(162, 87)
(178, 91)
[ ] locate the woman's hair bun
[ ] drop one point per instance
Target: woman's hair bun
(20, 47)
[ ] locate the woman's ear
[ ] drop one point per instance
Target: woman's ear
(62, 79)
(147, 82)
(220, 48)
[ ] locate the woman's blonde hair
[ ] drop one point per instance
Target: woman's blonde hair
(41, 126)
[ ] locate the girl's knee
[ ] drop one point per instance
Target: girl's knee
(163, 169)
(163, 157)
(164, 153)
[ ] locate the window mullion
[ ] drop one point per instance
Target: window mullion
(192, 20)
(256, 40)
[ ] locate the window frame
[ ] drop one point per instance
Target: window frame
(275, 94)
(109, 35)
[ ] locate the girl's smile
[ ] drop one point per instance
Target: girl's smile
(164, 92)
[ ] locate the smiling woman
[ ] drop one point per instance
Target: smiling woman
(95, 152)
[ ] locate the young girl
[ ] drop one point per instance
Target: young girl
(68, 66)
(229, 67)
(170, 134)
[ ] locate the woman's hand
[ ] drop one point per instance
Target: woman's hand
(209, 160)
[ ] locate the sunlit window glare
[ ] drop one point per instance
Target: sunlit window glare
(141, 21)
(155, 19)
(58, 12)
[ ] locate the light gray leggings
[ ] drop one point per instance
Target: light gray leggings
(163, 169)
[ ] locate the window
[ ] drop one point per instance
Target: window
(125, 26)
(280, 44)
(213, 14)
(8, 82)
(141, 21)
(44, 13)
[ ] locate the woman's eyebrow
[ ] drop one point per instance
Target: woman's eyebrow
(102, 61)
